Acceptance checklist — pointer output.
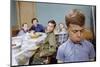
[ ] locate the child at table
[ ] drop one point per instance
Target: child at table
(24, 29)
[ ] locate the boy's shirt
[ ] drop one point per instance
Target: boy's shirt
(70, 52)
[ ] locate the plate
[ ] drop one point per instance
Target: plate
(35, 35)
(16, 42)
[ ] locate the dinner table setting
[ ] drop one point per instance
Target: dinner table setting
(24, 46)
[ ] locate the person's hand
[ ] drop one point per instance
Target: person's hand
(32, 32)
(46, 61)
(41, 54)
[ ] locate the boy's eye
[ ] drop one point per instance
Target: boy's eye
(74, 31)
(81, 31)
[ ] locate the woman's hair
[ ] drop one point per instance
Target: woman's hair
(34, 19)
(75, 17)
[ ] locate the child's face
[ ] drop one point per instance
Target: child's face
(75, 32)
(25, 27)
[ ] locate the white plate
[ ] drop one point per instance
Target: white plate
(17, 41)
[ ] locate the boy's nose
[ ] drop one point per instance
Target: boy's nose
(79, 33)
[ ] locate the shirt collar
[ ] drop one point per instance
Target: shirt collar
(69, 40)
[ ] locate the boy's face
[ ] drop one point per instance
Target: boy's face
(50, 27)
(75, 32)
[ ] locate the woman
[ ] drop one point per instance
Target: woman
(62, 28)
(36, 26)
(63, 34)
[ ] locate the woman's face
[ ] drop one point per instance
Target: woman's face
(35, 22)
(61, 26)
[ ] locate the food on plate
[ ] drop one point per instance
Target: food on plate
(35, 35)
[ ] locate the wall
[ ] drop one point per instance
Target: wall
(47, 11)
(13, 13)
(22, 12)
(27, 12)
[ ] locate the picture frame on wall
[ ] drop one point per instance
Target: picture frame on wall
(44, 33)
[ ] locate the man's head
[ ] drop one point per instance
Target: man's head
(25, 26)
(51, 26)
(75, 21)
(34, 21)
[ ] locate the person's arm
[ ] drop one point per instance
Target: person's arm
(42, 28)
(21, 32)
(60, 54)
(31, 28)
(92, 59)
(92, 53)
(59, 61)
(52, 43)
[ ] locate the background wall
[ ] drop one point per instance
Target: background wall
(13, 13)
(47, 11)
(23, 12)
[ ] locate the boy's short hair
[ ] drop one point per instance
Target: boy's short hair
(53, 22)
(75, 17)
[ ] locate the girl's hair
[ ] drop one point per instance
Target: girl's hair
(34, 19)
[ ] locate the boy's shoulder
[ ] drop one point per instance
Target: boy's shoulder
(64, 45)
(88, 43)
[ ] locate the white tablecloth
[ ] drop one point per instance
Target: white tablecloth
(25, 48)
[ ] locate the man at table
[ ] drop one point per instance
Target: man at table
(36, 26)
(75, 49)
(48, 48)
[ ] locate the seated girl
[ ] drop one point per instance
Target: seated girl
(24, 29)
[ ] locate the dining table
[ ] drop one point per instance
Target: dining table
(24, 46)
